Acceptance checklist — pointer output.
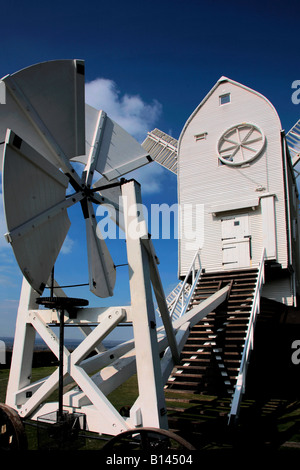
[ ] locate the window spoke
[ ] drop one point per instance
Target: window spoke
(241, 144)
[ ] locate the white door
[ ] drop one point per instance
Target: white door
(236, 241)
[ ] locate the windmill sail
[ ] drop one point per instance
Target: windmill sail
(162, 149)
(32, 189)
(51, 127)
(293, 141)
(44, 105)
(118, 152)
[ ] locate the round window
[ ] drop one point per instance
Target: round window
(240, 144)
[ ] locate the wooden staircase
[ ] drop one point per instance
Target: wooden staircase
(211, 358)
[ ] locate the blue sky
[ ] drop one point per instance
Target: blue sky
(148, 64)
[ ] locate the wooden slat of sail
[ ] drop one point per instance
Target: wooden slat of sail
(162, 148)
(44, 105)
(33, 186)
(293, 141)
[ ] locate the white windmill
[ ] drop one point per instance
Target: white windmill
(44, 127)
(235, 163)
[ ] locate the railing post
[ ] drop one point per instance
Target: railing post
(249, 341)
(181, 294)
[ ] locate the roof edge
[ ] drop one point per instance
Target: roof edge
(217, 84)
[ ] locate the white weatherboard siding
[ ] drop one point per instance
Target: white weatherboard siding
(226, 190)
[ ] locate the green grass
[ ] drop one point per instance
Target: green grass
(125, 395)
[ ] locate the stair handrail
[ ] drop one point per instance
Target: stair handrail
(240, 383)
(195, 277)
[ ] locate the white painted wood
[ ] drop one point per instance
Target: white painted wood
(107, 324)
(235, 205)
(259, 187)
(85, 316)
(235, 241)
(102, 271)
(117, 151)
(112, 421)
(107, 380)
(235, 227)
(94, 142)
(160, 298)
(240, 386)
(143, 316)
(32, 187)
(45, 106)
(268, 226)
(2, 92)
(162, 148)
(293, 141)
(200, 311)
(112, 200)
(167, 362)
(236, 254)
(21, 362)
(28, 398)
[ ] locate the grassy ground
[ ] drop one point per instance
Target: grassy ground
(265, 422)
(124, 395)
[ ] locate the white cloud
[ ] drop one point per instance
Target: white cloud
(136, 116)
(151, 177)
(67, 246)
(130, 111)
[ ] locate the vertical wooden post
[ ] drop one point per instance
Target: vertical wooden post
(151, 392)
(21, 363)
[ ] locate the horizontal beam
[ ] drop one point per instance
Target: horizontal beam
(85, 316)
(201, 310)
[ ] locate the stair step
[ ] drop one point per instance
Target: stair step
(191, 376)
(199, 346)
(184, 371)
(211, 357)
(231, 318)
(228, 276)
(246, 295)
(228, 352)
(197, 360)
(240, 311)
(189, 367)
(184, 382)
(238, 290)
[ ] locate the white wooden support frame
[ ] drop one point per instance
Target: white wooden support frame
(97, 376)
(116, 364)
(151, 395)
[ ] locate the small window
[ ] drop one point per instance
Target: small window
(224, 99)
(201, 136)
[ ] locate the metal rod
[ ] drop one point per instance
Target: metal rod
(61, 365)
(73, 285)
(52, 281)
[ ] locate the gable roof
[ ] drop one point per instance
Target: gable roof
(222, 80)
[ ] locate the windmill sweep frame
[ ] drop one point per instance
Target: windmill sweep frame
(38, 147)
